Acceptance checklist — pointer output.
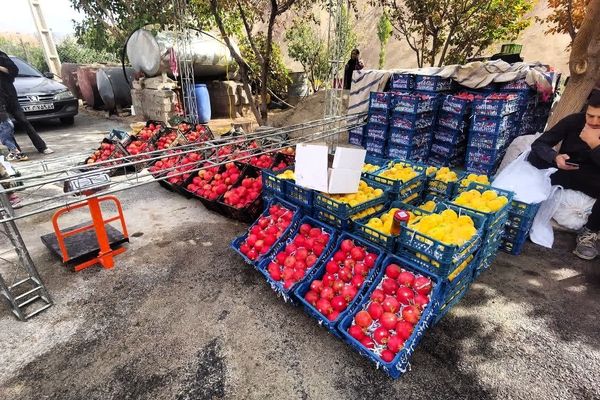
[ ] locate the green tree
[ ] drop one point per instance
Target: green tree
(32, 53)
(584, 64)
(69, 51)
(451, 31)
(384, 33)
(307, 46)
(279, 77)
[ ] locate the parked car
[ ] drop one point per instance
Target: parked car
(43, 98)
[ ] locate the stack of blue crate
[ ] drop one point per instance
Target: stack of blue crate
(412, 117)
(375, 133)
(491, 128)
(450, 136)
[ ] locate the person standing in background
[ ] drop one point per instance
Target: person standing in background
(354, 64)
(8, 73)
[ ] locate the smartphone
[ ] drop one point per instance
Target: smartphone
(570, 164)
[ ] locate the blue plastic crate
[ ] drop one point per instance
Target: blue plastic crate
(341, 224)
(443, 259)
(277, 286)
(320, 272)
(408, 137)
(428, 83)
(402, 82)
(456, 105)
(401, 362)
(412, 153)
(481, 168)
(299, 195)
(440, 161)
(513, 247)
(378, 117)
(452, 121)
(376, 132)
(485, 141)
(492, 218)
(484, 156)
(355, 139)
(447, 150)
(359, 130)
(237, 242)
(273, 184)
(344, 210)
(449, 136)
(378, 238)
(397, 189)
(495, 107)
(412, 121)
(519, 85)
(375, 147)
(445, 189)
(379, 162)
(527, 211)
(379, 101)
(412, 103)
(455, 289)
(490, 125)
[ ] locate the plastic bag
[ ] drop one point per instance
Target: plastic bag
(541, 231)
(517, 147)
(530, 185)
(575, 208)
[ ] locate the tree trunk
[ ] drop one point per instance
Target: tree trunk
(266, 64)
(239, 60)
(584, 65)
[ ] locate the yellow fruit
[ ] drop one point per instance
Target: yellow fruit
(449, 215)
(465, 220)
(430, 170)
(489, 195)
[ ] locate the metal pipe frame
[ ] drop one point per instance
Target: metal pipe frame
(136, 178)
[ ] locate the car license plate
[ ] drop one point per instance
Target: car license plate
(38, 107)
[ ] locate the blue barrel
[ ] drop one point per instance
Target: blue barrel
(203, 102)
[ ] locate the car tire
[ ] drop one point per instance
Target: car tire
(67, 120)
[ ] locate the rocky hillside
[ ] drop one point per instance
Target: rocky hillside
(536, 45)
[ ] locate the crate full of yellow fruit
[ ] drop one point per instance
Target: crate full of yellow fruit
(469, 178)
(492, 203)
(274, 182)
(373, 164)
(369, 194)
(443, 181)
(378, 228)
(403, 178)
(441, 241)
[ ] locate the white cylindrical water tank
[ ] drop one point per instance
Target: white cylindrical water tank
(150, 53)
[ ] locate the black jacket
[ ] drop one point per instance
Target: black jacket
(8, 93)
(566, 130)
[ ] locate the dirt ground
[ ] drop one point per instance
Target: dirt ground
(182, 317)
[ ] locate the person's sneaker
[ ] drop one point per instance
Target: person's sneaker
(586, 245)
(48, 150)
(17, 157)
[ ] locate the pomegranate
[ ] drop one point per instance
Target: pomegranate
(363, 319)
(406, 278)
(356, 332)
(381, 335)
(375, 310)
(388, 320)
(411, 314)
(405, 295)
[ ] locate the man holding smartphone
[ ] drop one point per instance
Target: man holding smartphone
(578, 163)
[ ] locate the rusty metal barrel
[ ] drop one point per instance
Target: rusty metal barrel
(113, 87)
(86, 78)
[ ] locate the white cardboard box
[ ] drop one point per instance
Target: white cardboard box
(315, 170)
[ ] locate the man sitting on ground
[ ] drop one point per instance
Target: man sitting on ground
(578, 164)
